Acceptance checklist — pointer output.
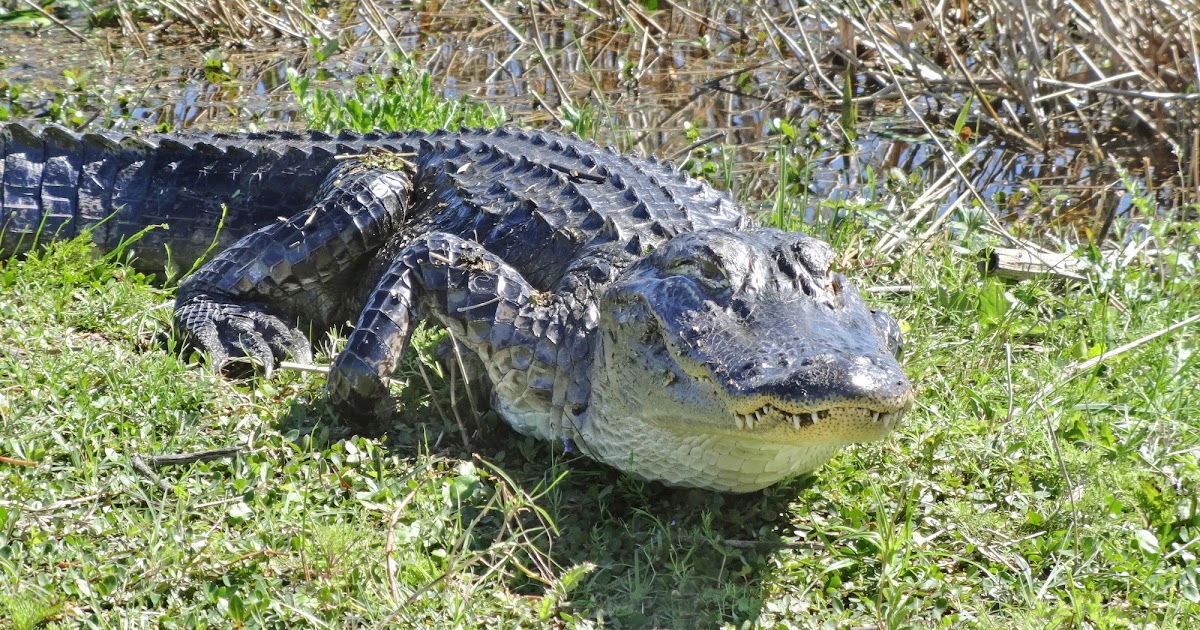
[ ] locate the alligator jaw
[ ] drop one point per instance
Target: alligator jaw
(845, 424)
(759, 418)
(691, 432)
(868, 398)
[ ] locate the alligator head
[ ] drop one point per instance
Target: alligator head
(732, 360)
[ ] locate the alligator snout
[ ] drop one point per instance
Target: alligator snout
(825, 379)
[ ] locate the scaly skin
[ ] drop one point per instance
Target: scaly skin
(613, 302)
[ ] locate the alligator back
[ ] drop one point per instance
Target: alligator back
(197, 191)
(198, 188)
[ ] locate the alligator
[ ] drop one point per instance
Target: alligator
(612, 302)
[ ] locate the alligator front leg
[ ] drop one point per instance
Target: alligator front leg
(252, 300)
(535, 346)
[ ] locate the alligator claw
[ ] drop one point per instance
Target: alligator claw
(232, 335)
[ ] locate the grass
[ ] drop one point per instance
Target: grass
(1012, 496)
(404, 99)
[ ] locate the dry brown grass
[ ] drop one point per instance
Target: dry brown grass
(229, 20)
(1083, 72)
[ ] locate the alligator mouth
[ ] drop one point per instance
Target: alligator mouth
(843, 422)
(827, 421)
(770, 415)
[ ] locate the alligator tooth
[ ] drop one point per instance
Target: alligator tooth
(815, 417)
(875, 416)
(796, 421)
(741, 423)
(750, 420)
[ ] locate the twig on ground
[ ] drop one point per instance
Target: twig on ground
(140, 466)
(316, 369)
(181, 459)
(304, 367)
(1074, 370)
(17, 462)
(1019, 264)
(895, 288)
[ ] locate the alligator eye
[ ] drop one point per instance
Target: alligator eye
(706, 271)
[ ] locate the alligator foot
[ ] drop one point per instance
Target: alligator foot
(232, 334)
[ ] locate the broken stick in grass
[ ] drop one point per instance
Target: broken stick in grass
(181, 459)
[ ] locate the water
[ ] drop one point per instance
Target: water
(710, 66)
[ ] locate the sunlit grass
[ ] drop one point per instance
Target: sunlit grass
(1012, 496)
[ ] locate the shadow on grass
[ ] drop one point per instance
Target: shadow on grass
(660, 556)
